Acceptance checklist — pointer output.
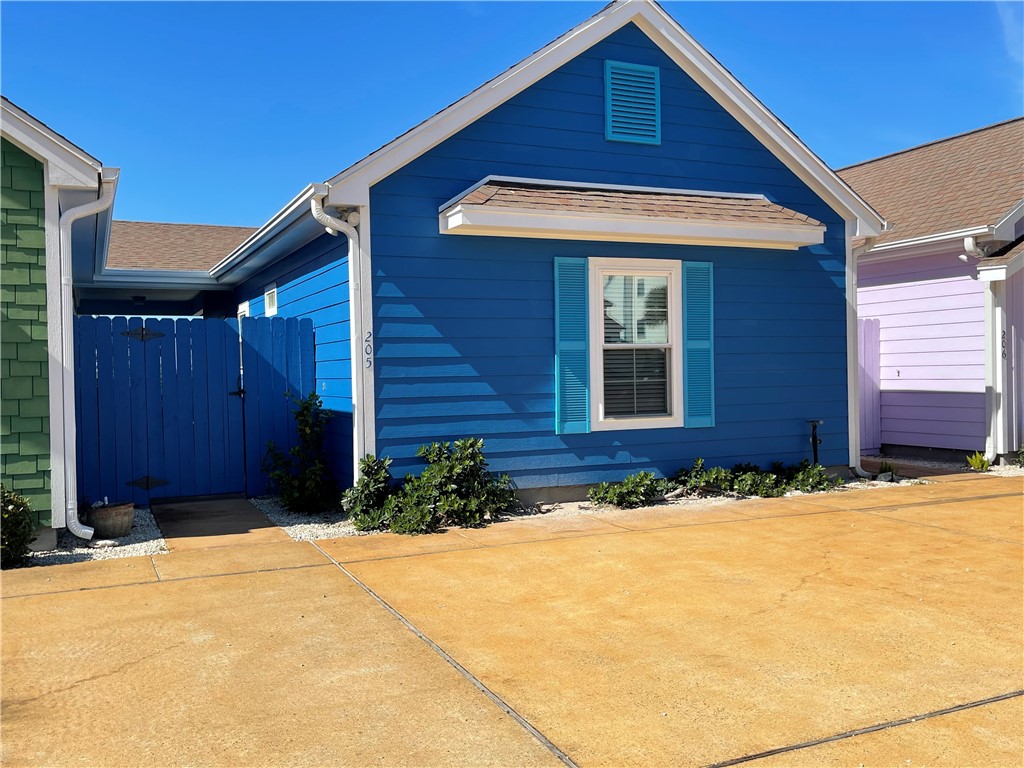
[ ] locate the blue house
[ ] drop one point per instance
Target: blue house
(609, 258)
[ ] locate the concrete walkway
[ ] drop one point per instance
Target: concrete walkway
(815, 630)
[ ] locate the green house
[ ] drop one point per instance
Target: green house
(55, 206)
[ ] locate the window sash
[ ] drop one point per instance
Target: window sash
(647, 399)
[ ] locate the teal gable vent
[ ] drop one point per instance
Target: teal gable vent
(632, 103)
(572, 361)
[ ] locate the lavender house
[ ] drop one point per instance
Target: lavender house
(941, 295)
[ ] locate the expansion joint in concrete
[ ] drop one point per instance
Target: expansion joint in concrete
(476, 682)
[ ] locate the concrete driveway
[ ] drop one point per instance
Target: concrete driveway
(860, 628)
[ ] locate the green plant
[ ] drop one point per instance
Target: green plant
(366, 501)
(1020, 456)
(303, 480)
(634, 491)
(809, 478)
(17, 528)
(454, 489)
(886, 468)
(978, 462)
(764, 484)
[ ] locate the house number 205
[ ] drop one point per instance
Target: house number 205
(368, 349)
(1004, 344)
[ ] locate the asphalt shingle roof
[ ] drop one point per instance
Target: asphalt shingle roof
(154, 246)
(964, 181)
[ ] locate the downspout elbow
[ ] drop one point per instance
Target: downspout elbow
(108, 185)
(332, 224)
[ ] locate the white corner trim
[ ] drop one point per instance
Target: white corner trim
(243, 310)
(66, 165)
(55, 356)
(364, 345)
(568, 225)
(673, 270)
(1002, 271)
(852, 352)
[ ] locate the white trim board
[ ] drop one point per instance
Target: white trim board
(572, 225)
(352, 186)
(66, 165)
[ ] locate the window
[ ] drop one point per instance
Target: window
(633, 344)
(632, 103)
(270, 300)
(635, 330)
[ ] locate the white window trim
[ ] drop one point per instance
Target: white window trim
(270, 293)
(673, 270)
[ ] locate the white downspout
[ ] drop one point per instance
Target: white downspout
(853, 347)
(334, 225)
(108, 179)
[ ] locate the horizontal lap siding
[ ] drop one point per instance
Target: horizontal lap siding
(931, 350)
(465, 325)
(313, 283)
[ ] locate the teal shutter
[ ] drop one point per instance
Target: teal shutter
(698, 345)
(572, 362)
(632, 102)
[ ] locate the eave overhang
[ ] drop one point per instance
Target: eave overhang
(499, 207)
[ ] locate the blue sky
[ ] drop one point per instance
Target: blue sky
(218, 113)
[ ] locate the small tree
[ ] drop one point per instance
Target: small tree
(17, 528)
(302, 477)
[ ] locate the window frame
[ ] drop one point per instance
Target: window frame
(270, 292)
(671, 269)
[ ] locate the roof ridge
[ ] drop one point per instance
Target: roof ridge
(182, 224)
(930, 143)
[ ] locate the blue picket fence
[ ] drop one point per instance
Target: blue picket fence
(184, 407)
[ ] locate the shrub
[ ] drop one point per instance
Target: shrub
(301, 476)
(634, 491)
(1020, 456)
(366, 501)
(809, 478)
(17, 528)
(764, 484)
(454, 489)
(978, 462)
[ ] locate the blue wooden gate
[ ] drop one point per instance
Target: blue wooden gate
(184, 407)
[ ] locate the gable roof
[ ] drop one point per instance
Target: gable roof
(68, 165)
(967, 181)
(182, 247)
(350, 188)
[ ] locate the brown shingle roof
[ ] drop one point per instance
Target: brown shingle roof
(153, 246)
(690, 206)
(1004, 255)
(964, 181)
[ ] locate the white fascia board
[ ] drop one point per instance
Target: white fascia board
(922, 246)
(261, 238)
(140, 278)
(352, 185)
(1006, 228)
(66, 164)
(1001, 272)
(516, 222)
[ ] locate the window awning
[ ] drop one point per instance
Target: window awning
(509, 207)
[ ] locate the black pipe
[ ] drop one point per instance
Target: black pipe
(815, 440)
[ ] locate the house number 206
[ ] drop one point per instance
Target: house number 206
(368, 349)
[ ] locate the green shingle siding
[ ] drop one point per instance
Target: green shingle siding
(24, 396)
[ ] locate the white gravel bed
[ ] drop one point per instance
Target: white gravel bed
(144, 538)
(306, 526)
(1003, 470)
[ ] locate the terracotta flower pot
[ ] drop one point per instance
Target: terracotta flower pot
(113, 520)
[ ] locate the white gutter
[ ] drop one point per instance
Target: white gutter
(853, 345)
(334, 225)
(108, 179)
